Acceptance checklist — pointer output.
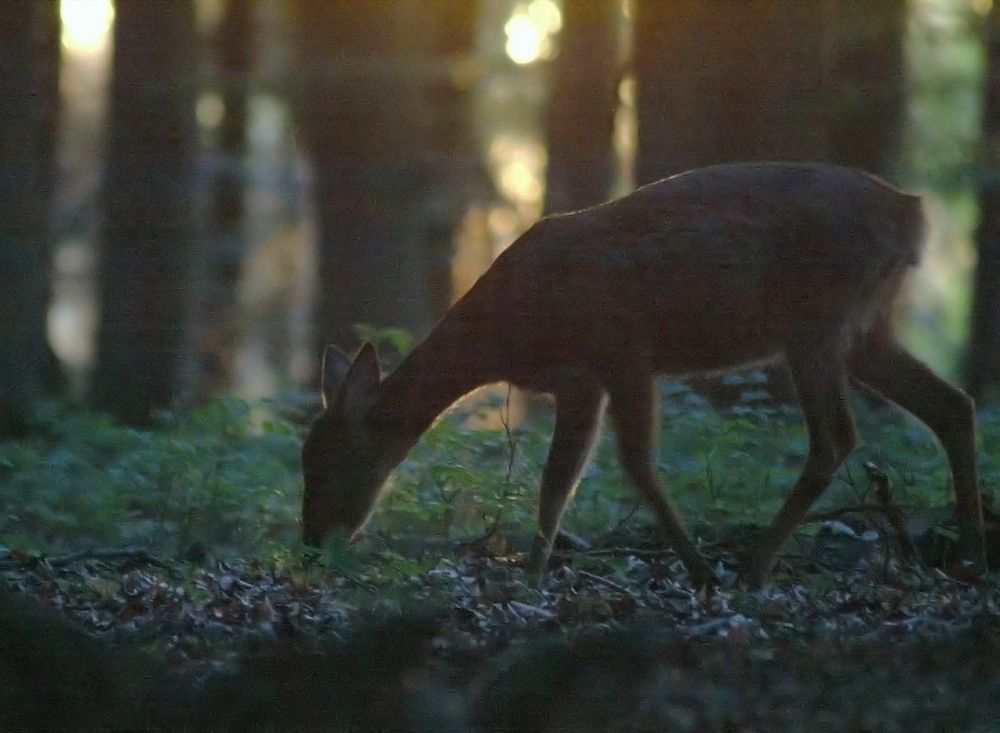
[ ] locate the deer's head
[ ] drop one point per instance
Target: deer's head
(343, 458)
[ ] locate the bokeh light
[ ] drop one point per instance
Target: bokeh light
(86, 24)
(530, 31)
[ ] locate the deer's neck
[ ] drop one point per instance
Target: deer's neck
(451, 362)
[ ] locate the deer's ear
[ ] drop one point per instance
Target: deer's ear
(334, 370)
(361, 385)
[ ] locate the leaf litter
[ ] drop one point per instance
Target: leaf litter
(846, 637)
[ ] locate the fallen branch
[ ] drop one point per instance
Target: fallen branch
(625, 551)
(459, 545)
(883, 492)
(133, 554)
(103, 555)
(835, 514)
(601, 579)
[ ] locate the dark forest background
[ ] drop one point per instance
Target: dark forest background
(196, 195)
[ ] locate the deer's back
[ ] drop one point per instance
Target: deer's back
(707, 270)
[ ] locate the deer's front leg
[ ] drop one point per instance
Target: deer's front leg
(579, 407)
(634, 411)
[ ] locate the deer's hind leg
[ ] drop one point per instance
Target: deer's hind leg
(579, 407)
(820, 379)
(887, 369)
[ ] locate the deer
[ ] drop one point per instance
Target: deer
(703, 272)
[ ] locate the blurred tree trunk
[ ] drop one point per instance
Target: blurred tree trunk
(581, 114)
(983, 367)
(145, 287)
(748, 83)
(368, 107)
(868, 79)
(453, 173)
(768, 80)
(219, 327)
(29, 88)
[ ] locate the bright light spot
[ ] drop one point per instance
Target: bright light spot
(504, 226)
(210, 110)
(530, 29)
(519, 182)
(627, 90)
(72, 317)
(86, 24)
(626, 135)
(545, 14)
(519, 164)
(524, 40)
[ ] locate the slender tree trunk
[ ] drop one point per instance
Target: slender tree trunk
(29, 88)
(868, 79)
(145, 287)
(218, 326)
(365, 110)
(983, 366)
(453, 171)
(356, 122)
(581, 113)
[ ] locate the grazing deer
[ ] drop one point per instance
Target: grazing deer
(705, 271)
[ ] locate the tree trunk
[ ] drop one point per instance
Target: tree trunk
(29, 87)
(768, 79)
(581, 113)
(366, 111)
(145, 287)
(453, 172)
(218, 323)
(868, 78)
(983, 367)
(748, 83)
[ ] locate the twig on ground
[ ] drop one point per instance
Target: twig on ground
(893, 512)
(834, 514)
(708, 628)
(573, 541)
(601, 579)
(828, 566)
(624, 520)
(124, 553)
(485, 537)
(624, 551)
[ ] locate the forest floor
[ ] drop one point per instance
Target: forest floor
(155, 579)
(846, 638)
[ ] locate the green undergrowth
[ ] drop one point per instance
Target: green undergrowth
(213, 478)
(223, 480)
